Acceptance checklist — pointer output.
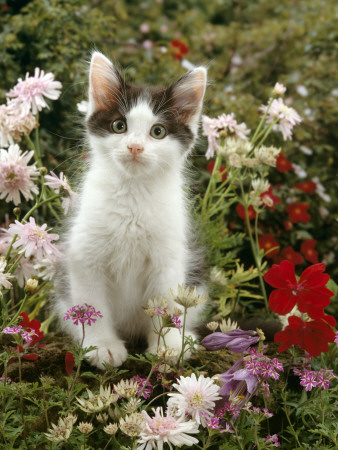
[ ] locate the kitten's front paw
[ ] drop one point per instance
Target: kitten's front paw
(111, 353)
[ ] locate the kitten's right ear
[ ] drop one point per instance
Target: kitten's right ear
(105, 83)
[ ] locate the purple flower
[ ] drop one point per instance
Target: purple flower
(308, 380)
(213, 423)
(239, 384)
(82, 314)
(27, 336)
(176, 321)
(236, 340)
(336, 338)
(12, 330)
(148, 390)
(272, 440)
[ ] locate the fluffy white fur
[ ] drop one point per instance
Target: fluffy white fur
(128, 238)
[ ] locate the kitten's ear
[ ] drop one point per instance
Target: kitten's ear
(105, 83)
(188, 93)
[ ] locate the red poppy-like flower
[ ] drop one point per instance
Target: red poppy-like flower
(283, 164)
(298, 212)
(222, 170)
(309, 293)
(180, 47)
(309, 187)
(269, 244)
(269, 199)
(287, 225)
(241, 211)
(69, 362)
(291, 255)
(312, 336)
(307, 248)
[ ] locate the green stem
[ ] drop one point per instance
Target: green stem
(211, 184)
(183, 335)
(148, 378)
(16, 315)
(254, 249)
(261, 123)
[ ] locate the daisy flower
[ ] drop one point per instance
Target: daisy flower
(195, 397)
(16, 176)
(288, 117)
(161, 429)
(30, 93)
(55, 182)
(34, 240)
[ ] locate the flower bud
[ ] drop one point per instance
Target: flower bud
(31, 285)
(43, 171)
(17, 213)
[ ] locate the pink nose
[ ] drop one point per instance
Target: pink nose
(135, 149)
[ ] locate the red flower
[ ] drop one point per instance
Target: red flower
(307, 248)
(241, 211)
(298, 212)
(287, 225)
(180, 47)
(309, 292)
(69, 362)
(268, 242)
(312, 336)
(291, 255)
(282, 164)
(269, 199)
(309, 187)
(222, 170)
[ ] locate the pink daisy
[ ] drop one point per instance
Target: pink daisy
(34, 240)
(16, 176)
(288, 117)
(30, 92)
(13, 124)
(56, 182)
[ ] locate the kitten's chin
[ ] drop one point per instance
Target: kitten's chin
(135, 167)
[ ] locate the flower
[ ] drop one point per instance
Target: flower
(143, 386)
(269, 244)
(308, 187)
(239, 384)
(223, 125)
(241, 211)
(85, 314)
(61, 431)
(180, 48)
(269, 199)
(212, 326)
(195, 397)
(12, 330)
(97, 402)
(176, 321)
(272, 440)
(127, 388)
(227, 325)
(286, 117)
(161, 429)
(222, 170)
(267, 155)
(236, 340)
(279, 89)
(156, 306)
(69, 362)
(292, 256)
(298, 212)
(336, 338)
(55, 182)
(85, 427)
(34, 240)
(13, 124)
(4, 277)
(282, 164)
(307, 248)
(309, 293)
(111, 428)
(16, 176)
(30, 92)
(187, 297)
(311, 336)
(133, 424)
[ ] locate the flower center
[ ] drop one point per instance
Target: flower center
(299, 288)
(161, 425)
(197, 400)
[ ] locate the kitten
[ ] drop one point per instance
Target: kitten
(129, 239)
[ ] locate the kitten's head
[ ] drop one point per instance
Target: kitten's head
(142, 130)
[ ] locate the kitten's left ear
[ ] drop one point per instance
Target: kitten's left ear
(187, 94)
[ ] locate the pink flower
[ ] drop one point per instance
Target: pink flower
(287, 117)
(226, 124)
(336, 338)
(55, 182)
(177, 322)
(16, 176)
(30, 93)
(34, 240)
(272, 440)
(12, 330)
(13, 124)
(82, 314)
(27, 336)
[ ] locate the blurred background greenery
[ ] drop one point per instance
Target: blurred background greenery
(248, 45)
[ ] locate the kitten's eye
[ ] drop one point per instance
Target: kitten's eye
(119, 126)
(158, 132)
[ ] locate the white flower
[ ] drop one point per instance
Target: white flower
(195, 397)
(62, 430)
(287, 117)
(320, 190)
(299, 171)
(4, 277)
(13, 124)
(187, 297)
(82, 106)
(227, 325)
(16, 176)
(305, 150)
(132, 425)
(161, 429)
(279, 89)
(29, 93)
(302, 90)
(267, 155)
(97, 402)
(259, 186)
(55, 182)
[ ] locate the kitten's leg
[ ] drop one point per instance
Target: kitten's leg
(88, 285)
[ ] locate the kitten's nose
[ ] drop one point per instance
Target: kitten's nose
(135, 149)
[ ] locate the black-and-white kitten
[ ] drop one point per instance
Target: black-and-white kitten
(130, 233)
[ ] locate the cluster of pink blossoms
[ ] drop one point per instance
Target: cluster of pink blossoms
(84, 314)
(26, 335)
(312, 378)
